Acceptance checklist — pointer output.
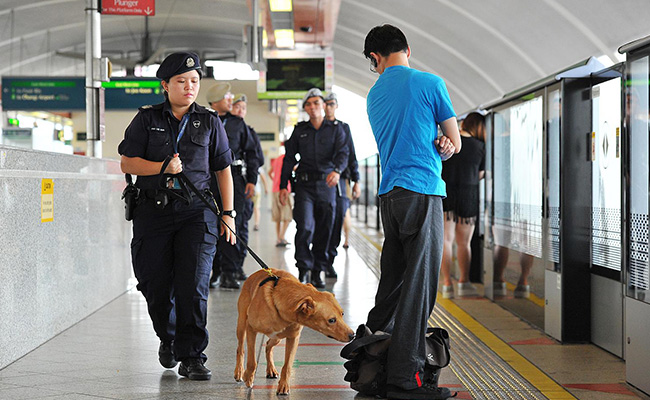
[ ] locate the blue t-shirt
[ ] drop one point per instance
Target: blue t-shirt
(405, 107)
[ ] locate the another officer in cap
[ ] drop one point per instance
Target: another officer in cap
(351, 173)
(228, 265)
(174, 242)
(323, 157)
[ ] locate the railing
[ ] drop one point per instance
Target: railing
(366, 207)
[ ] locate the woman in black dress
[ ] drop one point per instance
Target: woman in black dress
(462, 174)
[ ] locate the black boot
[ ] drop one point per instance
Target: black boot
(304, 275)
(240, 275)
(215, 280)
(194, 369)
(166, 355)
(228, 281)
(330, 272)
(316, 280)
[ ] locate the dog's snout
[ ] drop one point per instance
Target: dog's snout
(351, 336)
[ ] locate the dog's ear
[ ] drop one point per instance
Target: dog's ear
(306, 306)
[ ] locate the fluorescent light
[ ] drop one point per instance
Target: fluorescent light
(228, 71)
(280, 5)
(284, 38)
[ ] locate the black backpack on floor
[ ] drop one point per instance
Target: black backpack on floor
(367, 354)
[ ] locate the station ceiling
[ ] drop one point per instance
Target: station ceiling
(483, 49)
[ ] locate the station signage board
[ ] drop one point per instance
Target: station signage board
(68, 94)
(129, 7)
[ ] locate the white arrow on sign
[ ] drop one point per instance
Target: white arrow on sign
(148, 11)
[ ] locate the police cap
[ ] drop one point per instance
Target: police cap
(179, 63)
(313, 92)
(331, 96)
(240, 97)
(218, 92)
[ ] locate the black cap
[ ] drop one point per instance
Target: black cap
(179, 63)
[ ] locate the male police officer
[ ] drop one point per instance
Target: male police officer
(351, 173)
(323, 157)
(230, 259)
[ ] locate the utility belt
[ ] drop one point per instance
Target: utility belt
(302, 177)
(238, 168)
(161, 198)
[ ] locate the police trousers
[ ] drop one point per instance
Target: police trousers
(313, 212)
(231, 257)
(410, 263)
(172, 251)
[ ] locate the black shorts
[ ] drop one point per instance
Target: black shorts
(461, 203)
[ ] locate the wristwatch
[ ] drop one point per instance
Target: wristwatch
(231, 213)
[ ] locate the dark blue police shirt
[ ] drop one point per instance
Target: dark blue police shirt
(203, 148)
(352, 171)
(321, 151)
(258, 146)
(242, 144)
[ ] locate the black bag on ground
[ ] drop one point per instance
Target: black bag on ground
(367, 354)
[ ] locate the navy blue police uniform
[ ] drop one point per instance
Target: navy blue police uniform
(248, 212)
(244, 169)
(173, 247)
(321, 152)
(342, 201)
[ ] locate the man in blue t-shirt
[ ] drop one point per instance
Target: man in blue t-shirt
(405, 107)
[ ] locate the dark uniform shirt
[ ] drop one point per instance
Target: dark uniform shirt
(203, 148)
(352, 171)
(242, 144)
(321, 151)
(258, 146)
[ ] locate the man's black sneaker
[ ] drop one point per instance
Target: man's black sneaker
(166, 355)
(330, 272)
(427, 391)
(304, 275)
(228, 281)
(193, 369)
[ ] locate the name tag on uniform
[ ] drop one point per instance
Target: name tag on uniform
(304, 135)
(155, 128)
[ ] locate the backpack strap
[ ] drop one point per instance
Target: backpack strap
(350, 350)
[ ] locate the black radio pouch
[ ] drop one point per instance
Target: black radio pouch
(130, 196)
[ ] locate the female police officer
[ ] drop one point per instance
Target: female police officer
(173, 242)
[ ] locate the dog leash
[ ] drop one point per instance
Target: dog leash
(185, 183)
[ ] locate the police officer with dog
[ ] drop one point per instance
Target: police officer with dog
(351, 173)
(323, 157)
(175, 234)
(228, 264)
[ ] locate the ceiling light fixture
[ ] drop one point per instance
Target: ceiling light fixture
(280, 5)
(284, 38)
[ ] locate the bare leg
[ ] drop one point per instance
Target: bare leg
(278, 231)
(347, 221)
(526, 262)
(256, 215)
(500, 260)
(271, 372)
(283, 229)
(464, 234)
(447, 255)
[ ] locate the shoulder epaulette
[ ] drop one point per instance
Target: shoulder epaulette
(152, 106)
(302, 123)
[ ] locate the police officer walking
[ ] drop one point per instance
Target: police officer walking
(351, 173)
(323, 156)
(174, 242)
(228, 264)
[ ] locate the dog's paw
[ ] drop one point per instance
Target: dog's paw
(249, 378)
(283, 388)
(271, 373)
(238, 374)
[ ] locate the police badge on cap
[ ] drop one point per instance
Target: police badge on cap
(179, 63)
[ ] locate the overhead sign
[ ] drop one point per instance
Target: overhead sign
(69, 94)
(43, 93)
(129, 7)
(131, 93)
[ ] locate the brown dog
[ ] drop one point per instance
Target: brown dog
(280, 310)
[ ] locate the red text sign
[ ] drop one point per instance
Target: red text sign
(129, 7)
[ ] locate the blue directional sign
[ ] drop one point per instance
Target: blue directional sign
(43, 93)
